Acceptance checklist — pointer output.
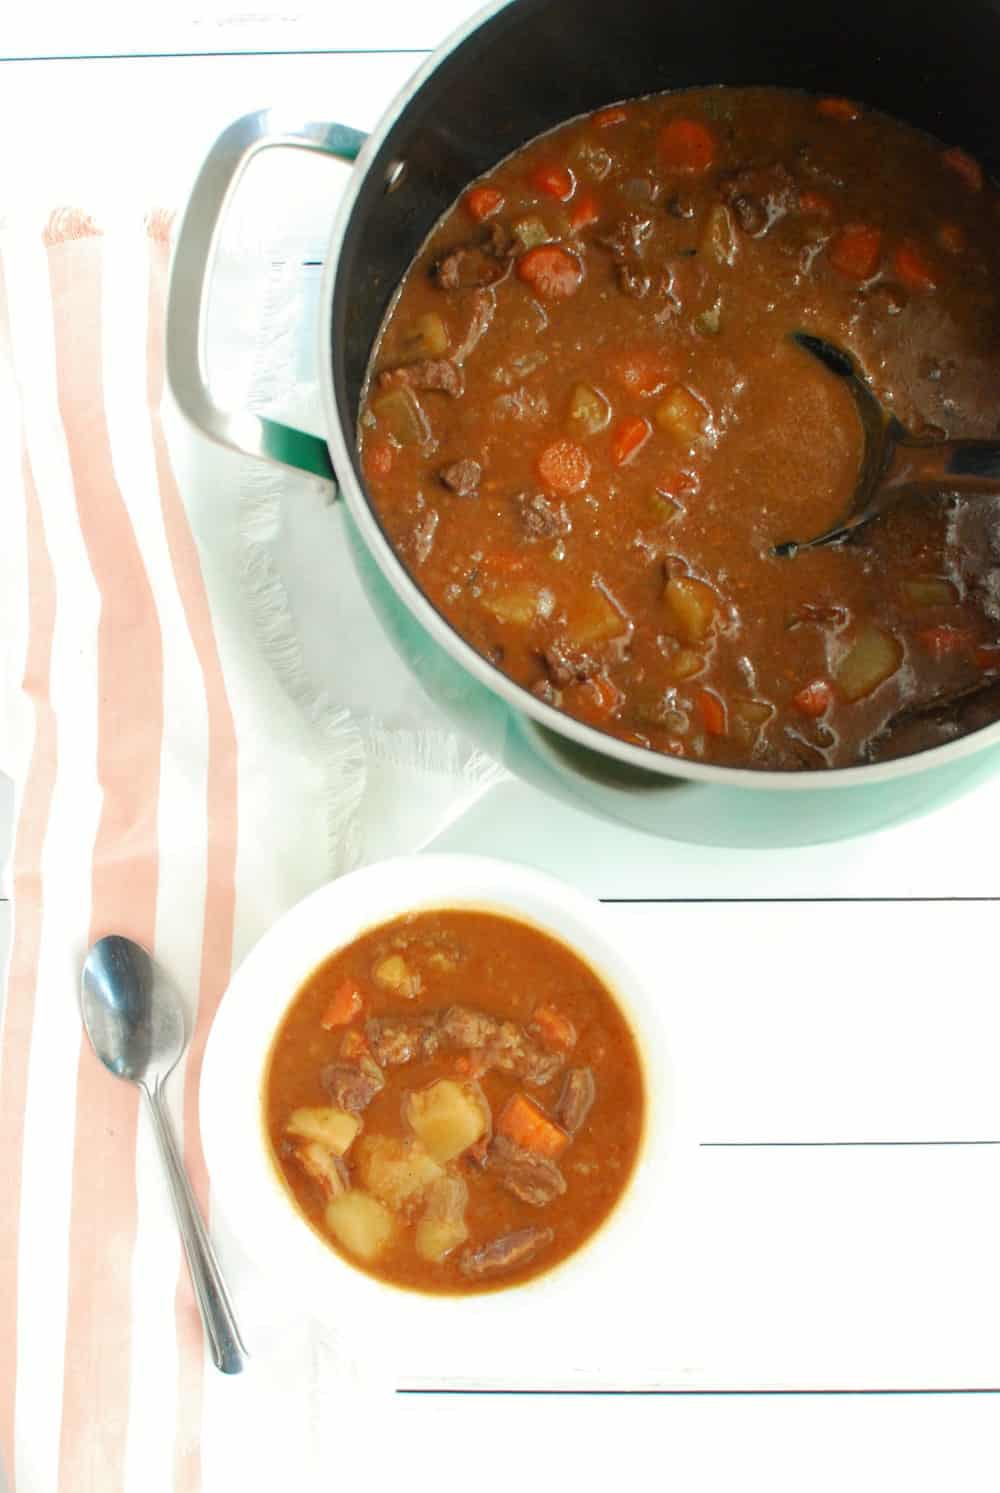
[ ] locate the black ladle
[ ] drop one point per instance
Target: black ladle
(895, 467)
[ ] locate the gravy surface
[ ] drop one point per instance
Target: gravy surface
(586, 427)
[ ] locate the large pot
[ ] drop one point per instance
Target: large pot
(516, 69)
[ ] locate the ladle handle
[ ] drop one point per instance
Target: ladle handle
(228, 1350)
(975, 459)
(950, 466)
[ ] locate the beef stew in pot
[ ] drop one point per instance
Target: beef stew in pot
(586, 426)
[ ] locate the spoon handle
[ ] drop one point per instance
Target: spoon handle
(228, 1350)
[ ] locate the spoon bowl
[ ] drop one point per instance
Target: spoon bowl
(135, 1021)
(131, 1012)
(896, 466)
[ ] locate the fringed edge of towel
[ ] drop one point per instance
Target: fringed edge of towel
(338, 738)
(432, 751)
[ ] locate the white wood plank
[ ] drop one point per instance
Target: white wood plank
(144, 126)
(109, 27)
(704, 1446)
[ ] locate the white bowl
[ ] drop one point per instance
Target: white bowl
(246, 1184)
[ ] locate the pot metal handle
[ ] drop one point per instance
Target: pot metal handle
(194, 256)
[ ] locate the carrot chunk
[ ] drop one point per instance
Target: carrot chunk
(629, 437)
(941, 642)
(378, 460)
(553, 181)
(987, 657)
(550, 270)
(966, 166)
(839, 108)
(686, 145)
(503, 562)
(712, 711)
(482, 202)
(642, 372)
(344, 1005)
(564, 467)
(815, 204)
(856, 251)
(814, 699)
(912, 267)
(605, 118)
(522, 1121)
(586, 212)
(555, 1029)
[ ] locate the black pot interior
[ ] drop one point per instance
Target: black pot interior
(538, 62)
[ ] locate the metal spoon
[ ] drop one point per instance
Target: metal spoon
(896, 466)
(134, 1020)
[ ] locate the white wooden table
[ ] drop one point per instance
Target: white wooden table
(830, 1256)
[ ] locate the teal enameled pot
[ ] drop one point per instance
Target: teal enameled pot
(514, 70)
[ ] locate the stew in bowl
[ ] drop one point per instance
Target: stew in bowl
(434, 1078)
(455, 1101)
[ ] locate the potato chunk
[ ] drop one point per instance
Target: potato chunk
(929, 591)
(395, 1171)
(360, 1223)
(399, 414)
(597, 619)
(427, 338)
(393, 973)
(448, 1117)
(872, 658)
(333, 1128)
(443, 1225)
(517, 604)
(589, 411)
(691, 608)
(682, 415)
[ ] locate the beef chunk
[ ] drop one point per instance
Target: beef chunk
(626, 243)
(500, 242)
(434, 374)
(352, 1086)
(484, 307)
(568, 665)
(470, 265)
(506, 1252)
(502, 1044)
(400, 1039)
(760, 196)
(627, 238)
(461, 1026)
(576, 1099)
(421, 540)
(462, 477)
(542, 517)
(322, 1166)
(513, 1051)
(534, 1179)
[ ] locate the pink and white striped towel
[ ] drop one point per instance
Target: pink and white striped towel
(179, 779)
